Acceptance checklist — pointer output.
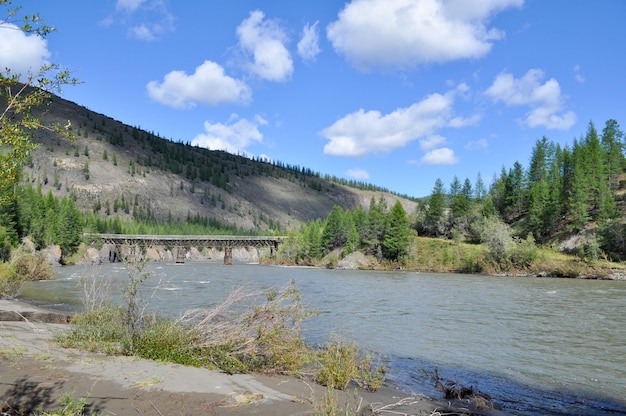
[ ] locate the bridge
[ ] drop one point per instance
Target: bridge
(182, 243)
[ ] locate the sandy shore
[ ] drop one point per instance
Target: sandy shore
(35, 373)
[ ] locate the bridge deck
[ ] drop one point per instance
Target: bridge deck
(190, 240)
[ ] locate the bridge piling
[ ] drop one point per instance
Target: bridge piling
(180, 255)
(228, 256)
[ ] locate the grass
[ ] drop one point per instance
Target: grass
(341, 363)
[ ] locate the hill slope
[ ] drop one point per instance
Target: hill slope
(115, 169)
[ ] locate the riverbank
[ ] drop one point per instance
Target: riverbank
(36, 373)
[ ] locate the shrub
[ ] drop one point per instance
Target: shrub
(11, 284)
(100, 330)
(31, 265)
(341, 363)
(264, 337)
(523, 253)
(497, 237)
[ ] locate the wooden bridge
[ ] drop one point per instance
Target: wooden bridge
(182, 243)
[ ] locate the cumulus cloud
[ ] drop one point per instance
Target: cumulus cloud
(207, 85)
(308, 47)
(406, 33)
(442, 156)
(233, 136)
(357, 173)
(20, 52)
(544, 99)
(265, 40)
(364, 132)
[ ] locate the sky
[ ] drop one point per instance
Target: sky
(396, 93)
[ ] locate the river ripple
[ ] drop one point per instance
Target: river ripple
(536, 345)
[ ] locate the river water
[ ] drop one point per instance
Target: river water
(535, 345)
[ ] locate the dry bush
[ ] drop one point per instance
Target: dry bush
(10, 284)
(240, 335)
(30, 264)
(97, 290)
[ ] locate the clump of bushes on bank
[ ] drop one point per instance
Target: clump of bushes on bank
(250, 331)
(24, 264)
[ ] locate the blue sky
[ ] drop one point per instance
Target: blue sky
(397, 93)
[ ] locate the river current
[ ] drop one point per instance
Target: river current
(537, 346)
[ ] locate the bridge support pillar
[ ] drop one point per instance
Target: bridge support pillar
(228, 255)
(180, 255)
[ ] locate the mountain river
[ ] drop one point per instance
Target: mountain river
(535, 345)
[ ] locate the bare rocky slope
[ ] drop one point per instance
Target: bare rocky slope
(112, 165)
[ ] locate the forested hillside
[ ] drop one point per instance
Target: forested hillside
(570, 198)
(114, 170)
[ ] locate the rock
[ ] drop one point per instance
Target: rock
(42, 317)
(52, 254)
(355, 261)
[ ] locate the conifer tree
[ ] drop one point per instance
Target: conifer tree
(433, 223)
(396, 241)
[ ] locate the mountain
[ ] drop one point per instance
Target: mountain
(115, 169)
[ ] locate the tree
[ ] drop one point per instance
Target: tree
(612, 147)
(19, 95)
(376, 222)
(353, 238)
(334, 234)
(479, 188)
(436, 207)
(397, 234)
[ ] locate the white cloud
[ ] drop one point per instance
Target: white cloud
(234, 136)
(128, 5)
(207, 85)
(364, 132)
(143, 32)
(431, 142)
(545, 100)
(145, 20)
(308, 47)
(265, 40)
(406, 33)
(577, 75)
(20, 52)
(357, 173)
(479, 144)
(442, 156)
(458, 122)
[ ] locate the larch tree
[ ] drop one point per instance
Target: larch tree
(396, 241)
